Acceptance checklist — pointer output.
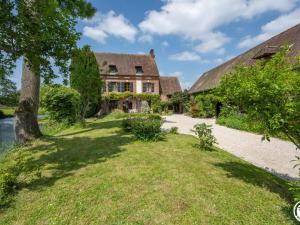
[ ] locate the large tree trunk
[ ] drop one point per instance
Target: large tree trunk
(25, 123)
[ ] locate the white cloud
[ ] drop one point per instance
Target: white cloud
(272, 28)
(185, 56)
(165, 43)
(213, 43)
(103, 25)
(146, 38)
(198, 20)
(96, 34)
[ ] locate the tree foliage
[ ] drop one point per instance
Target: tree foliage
(204, 104)
(182, 98)
(61, 103)
(85, 77)
(9, 95)
(269, 92)
(42, 31)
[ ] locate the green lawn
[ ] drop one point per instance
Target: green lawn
(8, 111)
(100, 175)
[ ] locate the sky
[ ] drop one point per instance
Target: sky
(189, 37)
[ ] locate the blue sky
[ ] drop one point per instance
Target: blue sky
(189, 36)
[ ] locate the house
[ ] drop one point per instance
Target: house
(211, 79)
(136, 74)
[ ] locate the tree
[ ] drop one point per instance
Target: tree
(269, 92)
(85, 78)
(8, 92)
(43, 33)
(182, 99)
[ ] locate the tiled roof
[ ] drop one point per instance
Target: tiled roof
(211, 79)
(126, 63)
(169, 85)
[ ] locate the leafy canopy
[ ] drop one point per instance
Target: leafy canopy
(269, 92)
(42, 31)
(8, 93)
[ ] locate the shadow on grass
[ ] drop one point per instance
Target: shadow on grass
(256, 176)
(65, 154)
(259, 177)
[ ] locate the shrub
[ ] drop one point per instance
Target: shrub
(127, 124)
(62, 103)
(205, 104)
(14, 167)
(205, 136)
(173, 130)
(145, 107)
(145, 127)
(118, 114)
(8, 184)
(128, 120)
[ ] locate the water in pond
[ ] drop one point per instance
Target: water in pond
(7, 136)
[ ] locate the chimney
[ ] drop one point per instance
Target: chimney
(152, 53)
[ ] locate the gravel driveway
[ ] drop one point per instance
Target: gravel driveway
(275, 156)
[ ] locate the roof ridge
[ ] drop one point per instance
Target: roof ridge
(125, 54)
(168, 76)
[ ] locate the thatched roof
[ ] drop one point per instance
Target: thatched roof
(169, 85)
(211, 79)
(126, 63)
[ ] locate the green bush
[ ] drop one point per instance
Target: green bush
(232, 117)
(13, 165)
(173, 130)
(205, 105)
(145, 127)
(205, 136)
(127, 124)
(117, 114)
(129, 118)
(61, 103)
(8, 184)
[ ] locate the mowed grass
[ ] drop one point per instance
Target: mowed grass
(8, 111)
(100, 175)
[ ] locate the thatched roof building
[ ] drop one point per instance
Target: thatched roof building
(211, 79)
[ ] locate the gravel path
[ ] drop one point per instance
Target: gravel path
(275, 156)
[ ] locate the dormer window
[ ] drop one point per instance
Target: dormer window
(266, 52)
(113, 69)
(139, 70)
